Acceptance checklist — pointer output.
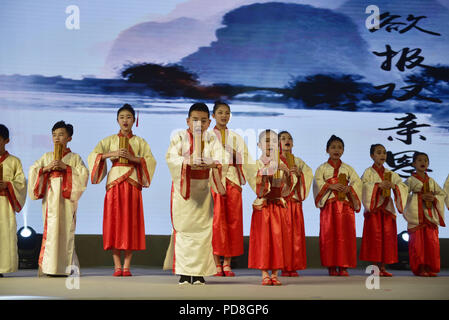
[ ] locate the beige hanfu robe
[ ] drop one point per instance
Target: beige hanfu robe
(415, 212)
(190, 250)
(11, 201)
(338, 246)
(227, 238)
(423, 219)
(60, 192)
(123, 217)
(379, 240)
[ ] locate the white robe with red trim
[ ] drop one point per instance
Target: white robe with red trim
(373, 199)
(11, 201)
(137, 146)
(243, 168)
(190, 250)
(60, 192)
(302, 187)
(321, 190)
(435, 215)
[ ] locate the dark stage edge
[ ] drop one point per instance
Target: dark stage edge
(155, 284)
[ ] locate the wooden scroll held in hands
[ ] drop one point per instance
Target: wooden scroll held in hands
(386, 193)
(198, 144)
(342, 180)
(223, 137)
(123, 144)
(57, 153)
(426, 189)
(290, 160)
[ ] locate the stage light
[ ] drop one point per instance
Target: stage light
(404, 235)
(25, 233)
(28, 243)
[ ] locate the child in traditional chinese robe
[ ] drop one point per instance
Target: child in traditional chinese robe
(193, 160)
(294, 238)
(60, 184)
(133, 166)
(227, 236)
(337, 190)
(12, 199)
(379, 241)
(274, 183)
(424, 214)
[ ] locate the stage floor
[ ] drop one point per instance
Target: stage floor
(155, 284)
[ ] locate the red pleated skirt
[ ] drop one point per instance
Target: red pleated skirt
(424, 249)
(294, 238)
(227, 235)
(123, 224)
(338, 246)
(266, 251)
(379, 240)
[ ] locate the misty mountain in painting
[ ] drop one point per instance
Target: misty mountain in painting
(268, 44)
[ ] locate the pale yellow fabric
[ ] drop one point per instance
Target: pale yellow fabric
(286, 189)
(249, 167)
(369, 179)
(308, 178)
(325, 172)
(411, 210)
(59, 213)
(140, 148)
(13, 173)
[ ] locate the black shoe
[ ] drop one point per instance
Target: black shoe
(1, 276)
(185, 280)
(198, 281)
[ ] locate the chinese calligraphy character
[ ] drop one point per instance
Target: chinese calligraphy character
(407, 127)
(414, 92)
(389, 24)
(408, 59)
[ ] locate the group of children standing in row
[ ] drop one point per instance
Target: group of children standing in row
(206, 202)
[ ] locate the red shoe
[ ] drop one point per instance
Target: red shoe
(126, 273)
(384, 273)
(267, 281)
(432, 274)
(117, 272)
(285, 274)
(333, 271)
(219, 273)
(294, 274)
(343, 272)
(275, 281)
(228, 273)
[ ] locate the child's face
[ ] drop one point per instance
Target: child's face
(222, 115)
(200, 116)
(61, 136)
(286, 142)
(125, 120)
(269, 143)
(421, 163)
(335, 150)
(3, 142)
(379, 156)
